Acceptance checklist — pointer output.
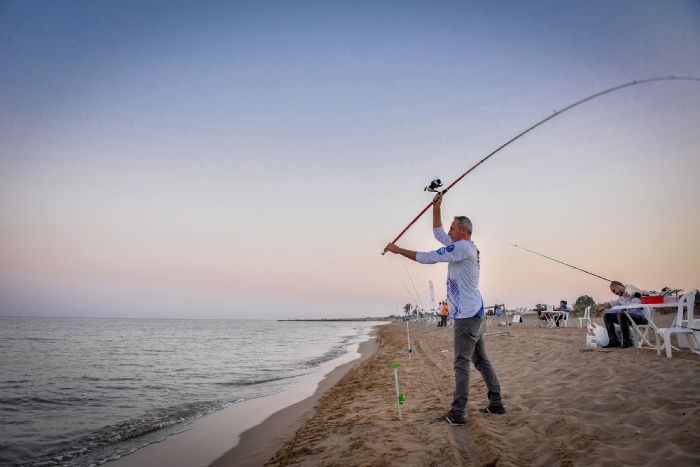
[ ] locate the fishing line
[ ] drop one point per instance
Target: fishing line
(414, 287)
(434, 185)
(410, 294)
(561, 262)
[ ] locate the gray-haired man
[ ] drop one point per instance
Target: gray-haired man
(466, 307)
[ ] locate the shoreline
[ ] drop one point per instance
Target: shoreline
(561, 398)
(259, 444)
(217, 435)
(566, 405)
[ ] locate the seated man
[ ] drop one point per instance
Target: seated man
(628, 294)
(563, 308)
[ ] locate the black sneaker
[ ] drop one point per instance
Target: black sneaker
(499, 409)
(627, 345)
(450, 419)
(612, 345)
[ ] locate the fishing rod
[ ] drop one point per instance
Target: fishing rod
(560, 262)
(436, 184)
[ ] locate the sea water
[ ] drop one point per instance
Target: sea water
(77, 391)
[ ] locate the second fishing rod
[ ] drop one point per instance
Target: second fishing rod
(558, 261)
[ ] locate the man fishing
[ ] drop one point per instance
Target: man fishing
(466, 307)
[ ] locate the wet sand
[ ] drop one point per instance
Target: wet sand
(567, 405)
(258, 444)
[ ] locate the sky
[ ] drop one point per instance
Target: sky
(252, 159)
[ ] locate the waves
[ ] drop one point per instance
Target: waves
(113, 441)
(253, 381)
(89, 391)
(332, 354)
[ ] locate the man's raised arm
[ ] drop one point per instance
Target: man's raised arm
(438, 231)
(437, 201)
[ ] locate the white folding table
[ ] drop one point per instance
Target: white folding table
(551, 318)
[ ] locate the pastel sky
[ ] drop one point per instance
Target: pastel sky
(251, 159)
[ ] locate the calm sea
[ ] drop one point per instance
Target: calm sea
(79, 391)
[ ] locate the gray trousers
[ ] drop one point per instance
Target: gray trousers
(469, 345)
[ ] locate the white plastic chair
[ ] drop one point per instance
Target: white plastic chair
(640, 332)
(682, 325)
(564, 321)
(586, 317)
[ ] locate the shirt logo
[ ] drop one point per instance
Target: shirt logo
(441, 251)
(453, 289)
(450, 248)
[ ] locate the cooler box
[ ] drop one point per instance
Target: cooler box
(653, 299)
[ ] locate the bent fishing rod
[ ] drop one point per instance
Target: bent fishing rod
(560, 262)
(435, 184)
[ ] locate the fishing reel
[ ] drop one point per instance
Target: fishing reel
(434, 185)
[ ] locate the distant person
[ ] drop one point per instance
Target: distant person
(466, 308)
(628, 294)
(445, 312)
(563, 309)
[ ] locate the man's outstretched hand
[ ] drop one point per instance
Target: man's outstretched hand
(391, 247)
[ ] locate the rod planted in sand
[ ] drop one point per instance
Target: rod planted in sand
(399, 397)
(408, 336)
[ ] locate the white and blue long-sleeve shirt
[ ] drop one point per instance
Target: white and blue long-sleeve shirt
(463, 296)
(627, 298)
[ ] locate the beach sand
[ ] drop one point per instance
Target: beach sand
(567, 405)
